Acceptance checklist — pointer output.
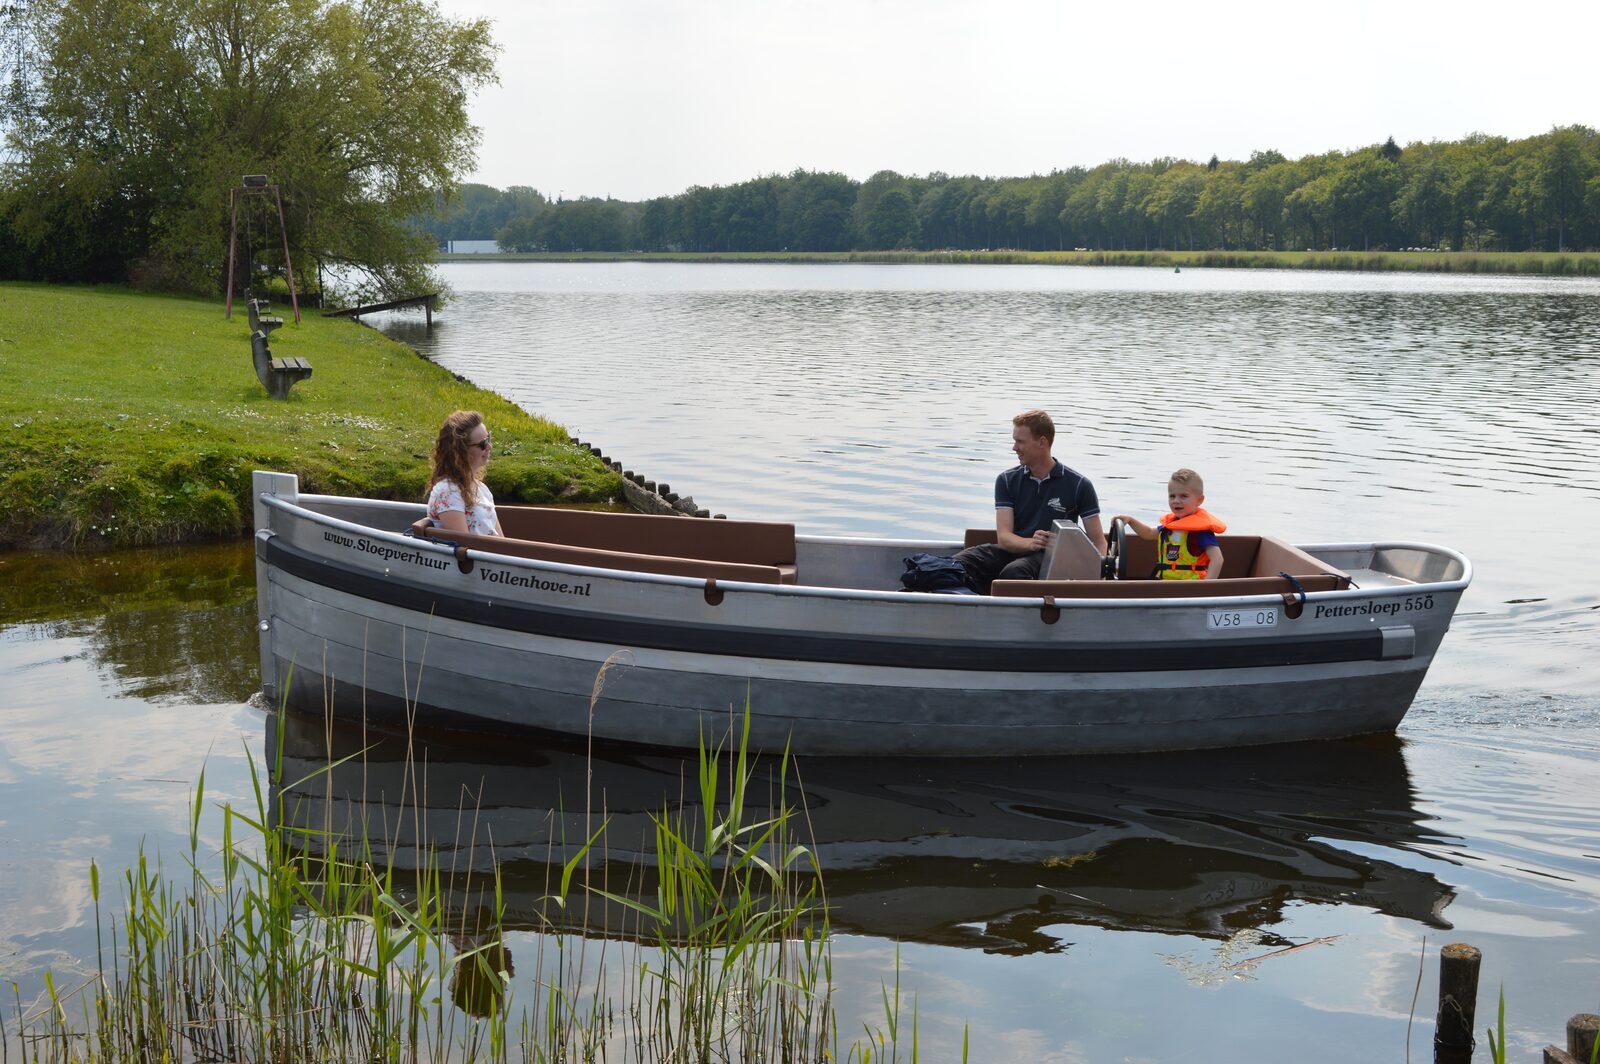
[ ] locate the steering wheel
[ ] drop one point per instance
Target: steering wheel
(1114, 566)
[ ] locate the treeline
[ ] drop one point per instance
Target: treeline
(1480, 193)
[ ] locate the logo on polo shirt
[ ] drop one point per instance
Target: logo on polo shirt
(1057, 505)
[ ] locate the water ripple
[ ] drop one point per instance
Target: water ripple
(877, 400)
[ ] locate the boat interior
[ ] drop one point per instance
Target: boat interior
(766, 552)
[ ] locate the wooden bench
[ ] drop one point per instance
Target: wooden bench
(259, 322)
(277, 375)
(760, 552)
(1250, 566)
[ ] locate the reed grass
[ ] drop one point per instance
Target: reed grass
(313, 942)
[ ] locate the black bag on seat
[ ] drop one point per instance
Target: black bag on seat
(932, 572)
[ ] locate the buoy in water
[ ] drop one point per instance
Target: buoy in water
(1177, 269)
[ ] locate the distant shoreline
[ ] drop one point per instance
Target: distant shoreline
(1535, 263)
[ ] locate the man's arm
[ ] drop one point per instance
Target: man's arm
(1009, 540)
(1096, 534)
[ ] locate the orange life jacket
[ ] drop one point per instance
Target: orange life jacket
(1174, 558)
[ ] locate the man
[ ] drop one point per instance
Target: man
(1027, 501)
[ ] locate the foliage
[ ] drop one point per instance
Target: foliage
(1497, 1046)
(133, 119)
(133, 419)
(478, 212)
(1478, 194)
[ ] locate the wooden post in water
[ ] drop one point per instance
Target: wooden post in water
(1581, 1032)
(1458, 1003)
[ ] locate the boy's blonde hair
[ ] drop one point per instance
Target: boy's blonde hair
(1189, 479)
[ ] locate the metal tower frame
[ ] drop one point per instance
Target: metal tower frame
(255, 185)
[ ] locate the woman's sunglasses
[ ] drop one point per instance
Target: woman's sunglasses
(483, 444)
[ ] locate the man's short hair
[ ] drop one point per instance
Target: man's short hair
(1038, 423)
(1189, 479)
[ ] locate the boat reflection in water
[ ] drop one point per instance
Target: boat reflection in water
(993, 854)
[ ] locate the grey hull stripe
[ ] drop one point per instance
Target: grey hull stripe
(883, 651)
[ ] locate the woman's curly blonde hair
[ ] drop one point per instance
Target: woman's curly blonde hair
(452, 456)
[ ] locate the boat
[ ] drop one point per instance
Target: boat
(653, 629)
(1003, 855)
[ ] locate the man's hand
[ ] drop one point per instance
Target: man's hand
(1041, 539)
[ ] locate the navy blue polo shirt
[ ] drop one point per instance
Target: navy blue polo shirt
(1065, 495)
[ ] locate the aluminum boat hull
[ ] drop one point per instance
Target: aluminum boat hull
(357, 615)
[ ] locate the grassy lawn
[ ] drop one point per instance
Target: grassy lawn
(1548, 263)
(132, 418)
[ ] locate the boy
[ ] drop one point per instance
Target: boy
(1187, 537)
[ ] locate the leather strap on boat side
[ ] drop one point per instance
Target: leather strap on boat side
(714, 594)
(463, 562)
(1049, 613)
(1294, 602)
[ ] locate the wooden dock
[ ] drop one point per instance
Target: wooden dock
(425, 301)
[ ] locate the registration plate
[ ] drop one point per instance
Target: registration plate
(1259, 618)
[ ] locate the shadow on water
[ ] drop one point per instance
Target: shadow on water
(1003, 856)
(167, 623)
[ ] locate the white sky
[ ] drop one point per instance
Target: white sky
(641, 98)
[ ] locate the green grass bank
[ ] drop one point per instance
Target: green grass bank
(1539, 263)
(132, 419)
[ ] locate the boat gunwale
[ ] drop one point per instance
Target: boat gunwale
(293, 508)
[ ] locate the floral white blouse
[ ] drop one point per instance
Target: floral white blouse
(481, 519)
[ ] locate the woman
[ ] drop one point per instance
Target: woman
(458, 499)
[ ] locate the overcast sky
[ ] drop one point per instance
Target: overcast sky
(641, 98)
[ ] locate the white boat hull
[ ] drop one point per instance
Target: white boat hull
(389, 626)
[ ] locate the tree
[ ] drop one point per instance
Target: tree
(519, 234)
(1422, 208)
(814, 211)
(892, 222)
(1172, 202)
(1046, 205)
(1220, 213)
(1361, 195)
(661, 224)
(1561, 172)
(583, 225)
(140, 115)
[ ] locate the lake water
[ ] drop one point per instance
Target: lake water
(1094, 910)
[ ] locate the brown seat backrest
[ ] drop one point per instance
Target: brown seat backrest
(1238, 552)
(1126, 589)
(742, 542)
(1277, 557)
(1250, 566)
(609, 559)
(1238, 556)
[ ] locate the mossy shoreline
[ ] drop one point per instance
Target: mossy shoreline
(1536, 263)
(133, 419)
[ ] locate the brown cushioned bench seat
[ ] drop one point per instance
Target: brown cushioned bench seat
(756, 551)
(1250, 566)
